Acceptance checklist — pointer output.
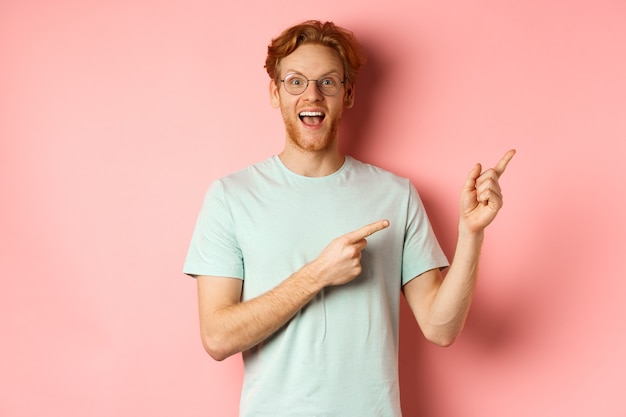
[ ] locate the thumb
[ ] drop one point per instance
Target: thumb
(470, 183)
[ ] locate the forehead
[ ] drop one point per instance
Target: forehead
(312, 60)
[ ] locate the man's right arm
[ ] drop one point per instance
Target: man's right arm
(229, 325)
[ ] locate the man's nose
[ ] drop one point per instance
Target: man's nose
(312, 92)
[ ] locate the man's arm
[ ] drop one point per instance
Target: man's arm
(441, 305)
(229, 326)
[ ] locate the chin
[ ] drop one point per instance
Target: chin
(311, 143)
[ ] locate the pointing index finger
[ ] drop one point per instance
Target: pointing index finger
(367, 231)
(501, 166)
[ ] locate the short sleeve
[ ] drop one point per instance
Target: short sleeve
(422, 251)
(214, 249)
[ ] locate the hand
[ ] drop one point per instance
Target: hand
(340, 262)
(481, 198)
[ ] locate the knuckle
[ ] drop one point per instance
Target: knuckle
(355, 252)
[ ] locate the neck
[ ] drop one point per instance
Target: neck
(311, 163)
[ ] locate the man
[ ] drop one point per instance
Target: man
(300, 259)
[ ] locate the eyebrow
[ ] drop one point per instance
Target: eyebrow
(333, 72)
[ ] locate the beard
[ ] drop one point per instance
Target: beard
(295, 136)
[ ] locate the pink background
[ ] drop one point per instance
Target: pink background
(116, 115)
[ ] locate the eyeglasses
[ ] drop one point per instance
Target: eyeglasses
(296, 84)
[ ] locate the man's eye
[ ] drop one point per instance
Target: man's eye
(296, 81)
(327, 82)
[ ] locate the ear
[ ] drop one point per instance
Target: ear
(348, 100)
(274, 95)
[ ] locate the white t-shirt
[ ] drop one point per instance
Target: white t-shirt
(338, 356)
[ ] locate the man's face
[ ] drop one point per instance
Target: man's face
(311, 119)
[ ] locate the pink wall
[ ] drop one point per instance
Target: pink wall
(115, 116)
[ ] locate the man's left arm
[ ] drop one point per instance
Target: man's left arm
(441, 305)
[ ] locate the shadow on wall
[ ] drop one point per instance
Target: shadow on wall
(369, 85)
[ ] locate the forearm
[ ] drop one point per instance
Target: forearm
(236, 327)
(451, 302)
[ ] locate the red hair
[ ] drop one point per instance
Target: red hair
(315, 32)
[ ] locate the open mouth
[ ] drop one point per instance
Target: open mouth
(311, 118)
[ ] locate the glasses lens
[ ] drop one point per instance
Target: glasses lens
(295, 84)
(329, 85)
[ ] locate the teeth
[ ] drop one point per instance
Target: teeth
(311, 113)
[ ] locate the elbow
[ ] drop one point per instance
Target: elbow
(444, 332)
(446, 341)
(441, 337)
(216, 347)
